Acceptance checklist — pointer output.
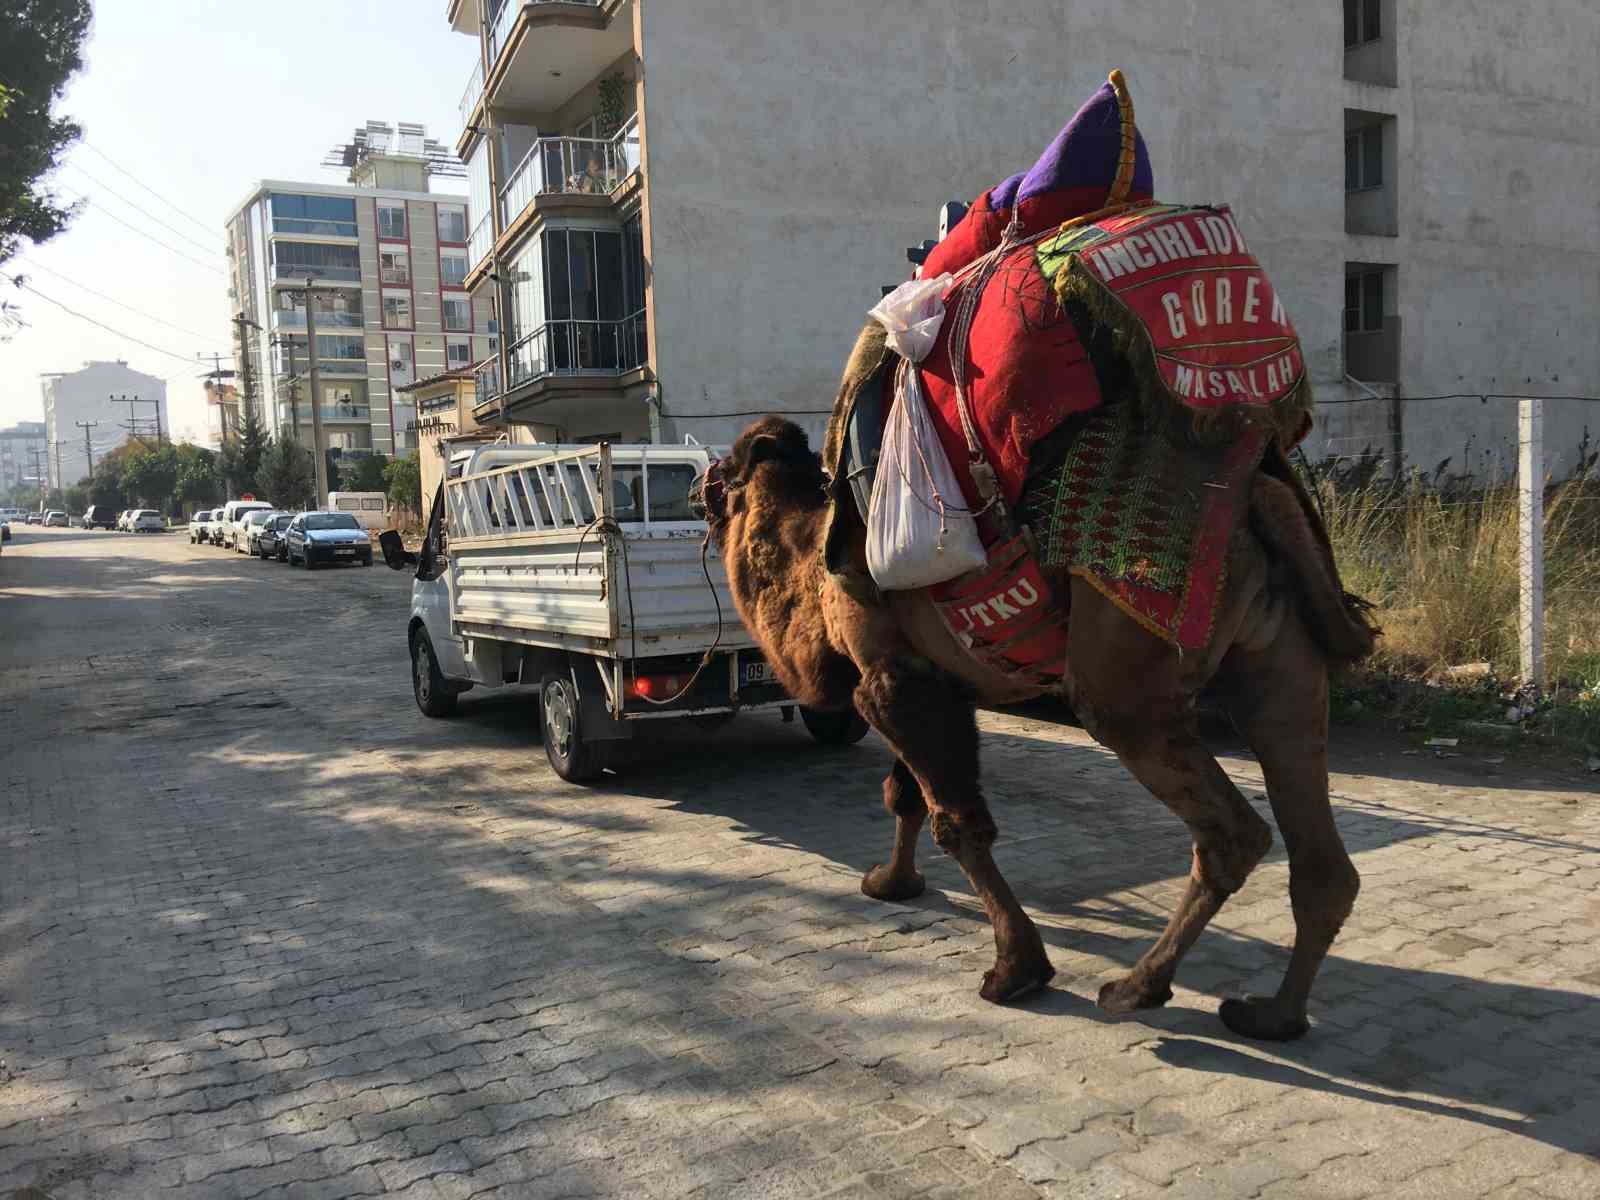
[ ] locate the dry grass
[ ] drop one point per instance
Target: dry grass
(1441, 564)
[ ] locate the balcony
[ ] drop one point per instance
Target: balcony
(577, 348)
(295, 318)
(482, 238)
(294, 273)
(502, 22)
(474, 92)
(346, 413)
(487, 381)
(570, 166)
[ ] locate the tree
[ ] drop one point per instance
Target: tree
(151, 475)
(288, 475)
(364, 474)
(404, 479)
(242, 455)
(199, 477)
(40, 50)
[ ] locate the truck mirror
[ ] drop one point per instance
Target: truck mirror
(395, 556)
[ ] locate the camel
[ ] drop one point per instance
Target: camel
(1282, 623)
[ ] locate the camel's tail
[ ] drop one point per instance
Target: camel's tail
(1283, 516)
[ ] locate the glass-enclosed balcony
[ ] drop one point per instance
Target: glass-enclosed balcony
(574, 166)
(295, 318)
(480, 241)
(579, 348)
(469, 98)
(499, 19)
(296, 273)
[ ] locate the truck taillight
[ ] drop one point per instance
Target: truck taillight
(655, 687)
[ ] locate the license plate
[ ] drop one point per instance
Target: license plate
(346, 551)
(757, 672)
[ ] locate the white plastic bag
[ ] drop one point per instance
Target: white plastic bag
(919, 531)
(911, 316)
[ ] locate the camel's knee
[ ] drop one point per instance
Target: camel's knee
(1224, 860)
(1323, 893)
(902, 795)
(959, 834)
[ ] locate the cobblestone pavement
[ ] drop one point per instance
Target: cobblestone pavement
(269, 932)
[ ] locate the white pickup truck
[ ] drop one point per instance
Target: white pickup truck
(583, 570)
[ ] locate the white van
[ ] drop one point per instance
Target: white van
(367, 508)
(225, 529)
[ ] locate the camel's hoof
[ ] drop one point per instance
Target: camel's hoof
(1260, 1017)
(880, 884)
(1131, 993)
(1006, 983)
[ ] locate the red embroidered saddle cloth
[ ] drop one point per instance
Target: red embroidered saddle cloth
(1143, 501)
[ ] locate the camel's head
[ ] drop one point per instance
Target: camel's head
(771, 461)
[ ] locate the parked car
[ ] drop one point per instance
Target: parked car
(268, 540)
(326, 537)
(226, 532)
(98, 516)
(35, 518)
(56, 517)
(197, 525)
(249, 525)
(147, 520)
(368, 508)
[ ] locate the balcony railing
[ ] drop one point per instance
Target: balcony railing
(482, 238)
(346, 412)
(295, 318)
(575, 166)
(469, 98)
(293, 273)
(500, 28)
(487, 381)
(579, 348)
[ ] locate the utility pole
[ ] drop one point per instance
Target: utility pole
(88, 447)
(40, 473)
(320, 460)
(61, 483)
(1530, 539)
(130, 401)
(247, 373)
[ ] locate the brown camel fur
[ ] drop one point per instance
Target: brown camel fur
(1282, 621)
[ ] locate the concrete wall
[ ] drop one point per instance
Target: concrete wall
(1499, 242)
(794, 151)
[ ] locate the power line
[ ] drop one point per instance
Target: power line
(25, 285)
(1481, 397)
(101, 154)
(194, 241)
(149, 236)
(26, 267)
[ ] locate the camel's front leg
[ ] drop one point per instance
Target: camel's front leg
(927, 717)
(899, 879)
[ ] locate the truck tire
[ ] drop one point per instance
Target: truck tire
(432, 692)
(560, 724)
(834, 728)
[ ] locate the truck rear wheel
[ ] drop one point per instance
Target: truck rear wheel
(428, 685)
(834, 728)
(561, 725)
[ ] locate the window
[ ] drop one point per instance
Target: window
(340, 345)
(457, 313)
(452, 223)
(325, 215)
(396, 310)
(392, 221)
(297, 259)
(1363, 302)
(452, 268)
(394, 266)
(458, 352)
(1361, 22)
(1363, 158)
(401, 362)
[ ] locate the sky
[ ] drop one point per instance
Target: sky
(197, 100)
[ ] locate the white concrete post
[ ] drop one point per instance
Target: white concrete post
(1530, 538)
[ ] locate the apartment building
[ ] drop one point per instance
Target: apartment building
(22, 450)
(114, 401)
(384, 263)
(684, 208)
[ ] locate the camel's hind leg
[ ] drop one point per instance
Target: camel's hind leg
(1131, 693)
(1278, 696)
(927, 716)
(899, 879)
